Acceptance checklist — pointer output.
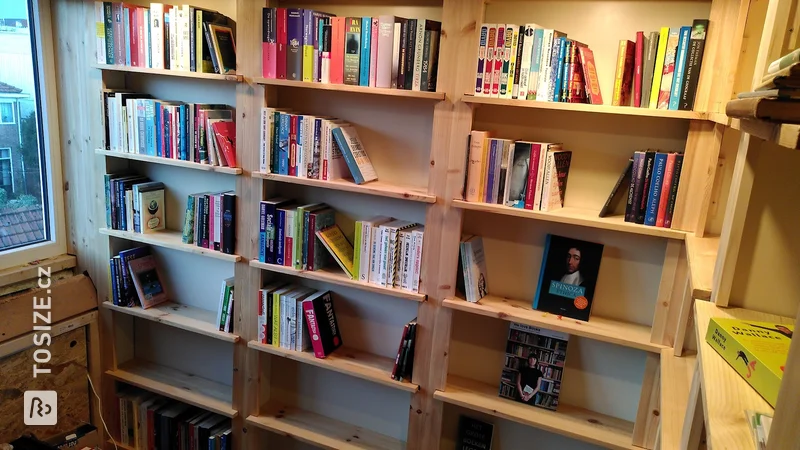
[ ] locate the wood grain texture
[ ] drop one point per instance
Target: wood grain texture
(577, 423)
(169, 239)
(28, 271)
(701, 254)
(685, 324)
(785, 433)
(648, 415)
(352, 89)
(693, 423)
(672, 273)
(676, 382)
(184, 317)
(377, 187)
(585, 108)
(170, 73)
(169, 162)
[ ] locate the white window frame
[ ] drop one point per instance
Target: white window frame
(41, 22)
(11, 161)
(13, 113)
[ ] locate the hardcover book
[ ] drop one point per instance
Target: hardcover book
(473, 262)
(668, 72)
(323, 328)
(697, 43)
(568, 277)
(520, 170)
(756, 350)
(352, 50)
(534, 366)
(354, 154)
(638, 61)
(554, 182)
(294, 40)
(651, 48)
(340, 248)
(623, 80)
(147, 281)
(680, 68)
(474, 434)
(590, 76)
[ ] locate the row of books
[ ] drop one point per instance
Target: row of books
(520, 174)
(287, 233)
(388, 252)
(306, 146)
(134, 279)
(653, 187)
(404, 361)
(202, 133)
(180, 37)
(134, 203)
(298, 318)
(384, 51)
(150, 421)
(210, 221)
(660, 71)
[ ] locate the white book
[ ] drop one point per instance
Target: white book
(100, 27)
(288, 237)
(265, 139)
(508, 154)
(173, 33)
(217, 218)
(405, 258)
(396, 54)
(418, 47)
(157, 35)
(376, 253)
(369, 230)
(362, 171)
(391, 258)
(488, 65)
(417, 266)
(262, 316)
(301, 135)
(544, 67)
(185, 38)
(527, 54)
(499, 54)
(473, 261)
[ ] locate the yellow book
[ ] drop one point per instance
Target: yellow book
(484, 168)
(659, 67)
(616, 99)
(276, 314)
(340, 248)
(308, 63)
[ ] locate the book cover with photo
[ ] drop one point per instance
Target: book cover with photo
(568, 277)
(534, 365)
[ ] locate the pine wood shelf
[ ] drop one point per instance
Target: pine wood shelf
(321, 431)
(175, 315)
(171, 73)
(607, 330)
(200, 392)
(169, 162)
(366, 366)
(577, 423)
(350, 88)
(726, 395)
(336, 276)
(785, 135)
(586, 108)
(676, 381)
(574, 216)
(376, 188)
(169, 239)
(701, 254)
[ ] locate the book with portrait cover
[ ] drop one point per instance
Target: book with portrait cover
(474, 434)
(147, 281)
(534, 365)
(568, 277)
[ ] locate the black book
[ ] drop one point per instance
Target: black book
(167, 45)
(411, 45)
(640, 207)
(673, 190)
(474, 434)
(401, 367)
(697, 43)
(610, 203)
(108, 18)
(514, 84)
(409, 366)
(228, 223)
(322, 325)
(401, 67)
(635, 169)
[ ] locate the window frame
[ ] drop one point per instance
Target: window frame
(11, 163)
(40, 23)
(13, 112)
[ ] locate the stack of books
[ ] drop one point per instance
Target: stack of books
(520, 174)
(306, 146)
(193, 132)
(148, 420)
(210, 221)
(384, 51)
(134, 203)
(180, 37)
(777, 98)
(298, 318)
(404, 361)
(653, 187)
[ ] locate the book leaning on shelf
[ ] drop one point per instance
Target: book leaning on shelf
(210, 221)
(194, 132)
(226, 303)
(384, 51)
(403, 368)
(472, 268)
(136, 279)
(180, 37)
(134, 203)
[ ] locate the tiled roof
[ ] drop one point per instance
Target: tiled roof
(6, 88)
(21, 225)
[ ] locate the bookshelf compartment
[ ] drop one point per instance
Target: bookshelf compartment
(169, 239)
(171, 73)
(348, 361)
(169, 162)
(607, 330)
(577, 423)
(376, 188)
(352, 89)
(318, 430)
(181, 386)
(180, 316)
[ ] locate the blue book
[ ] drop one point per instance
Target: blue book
(276, 123)
(554, 58)
(149, 127)
(280, 226)
(113, 269)
(182, 124)
(270, 217)
(126, 25)
(351, 148)
(283, 144)
(680, 68)
(655, 189)
(262, 232)
(167, 135)
(487, 196)
(299, 154)
(366, 34)
(129, 295)
(562, 52)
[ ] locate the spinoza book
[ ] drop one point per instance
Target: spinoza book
(568, 277)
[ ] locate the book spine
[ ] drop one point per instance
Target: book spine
(518, 45)
(289, 234)
(419, 45)
(490, 173)
(488, 65)
(544, 65)
(616, 99)
(637, 69)
(281, 43)
(310, 243)
(680, 69)
(507, 73)
(426, 61)
(658, 68)
(651, 48)
(262, 232)
(383, 62)
(376, 241)
(293, 130)
(308, 46)
(284, 131)
(533, 177)
(536, 61)
(656, 183)
(365, 254)
(669, 170)
(407, 27)
(499, 53)
(558, 69)
(228, 243)
(270, 222)
(383, 259)
(400, 350)
(294, 51)
(668, 73)
(673, 190)
(526, 40)
(280, 218)
(635, 170)
(107, 49)
(352, 54)
(475, 166)
(118, 32)
(481, 59)
(373, 53)
(643, 188)
(693, 63)
(325, 51)
(366, 51)
(269, 48)
(417, 268)
(276, 319)
(337, 50)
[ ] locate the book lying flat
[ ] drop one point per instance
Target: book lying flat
(776, 110)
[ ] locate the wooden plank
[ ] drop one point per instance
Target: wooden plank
(320, 431)
(785, 433)
(30, 270)
(726, 395)
(336, 276)
(693, 423)
(702, 255)
(684, 320)
(25, 341)
(606, 330)
(33, 283)
(170, 73)
(575, 216)
(676, 382)
(169, 162)
(663, 331)
(352, 89)
(95, 349)
(735, 215)
(648, 416)
(585, 108)
(356, 363)
(774, 37)
(570, 421)
(185, 387)
(377, 187)
(184, 317)
(169, 239)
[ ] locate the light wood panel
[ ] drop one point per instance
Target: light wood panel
(785, 433)
(676, 382)
(351, 89)
(170, 73)
(184, 317)
(169, 239)
(28, 271)
(693, 422)
(701, 254)
(377, 187)
(673, 277)
(648, 416)
(585, 108)
(169, 162)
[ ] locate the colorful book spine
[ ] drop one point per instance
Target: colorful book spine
(482, 37)
(559, 70)
(623, 78)
(308, 46)
(373, 52)
(656, 184)
(488, 72)
(651, 48)
(658, 68)
(533, 176)
(490, 172)
(536, 61)
(635, 171)
(694, 59)
(282, 43)
(294, 52)
(638, 61)
(366, 51)
(555, 57)
(499, 52)
(337, 50)
(643, 190)
(593, 94)
(680, 68)
(673, 190)
(352, 53)
(669, 171)
(518, 47)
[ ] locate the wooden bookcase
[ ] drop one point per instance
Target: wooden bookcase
(640, 339)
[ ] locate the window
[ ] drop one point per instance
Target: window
(31, 199)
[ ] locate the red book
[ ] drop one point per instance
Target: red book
(293, 146)
(133, 31)
(143, 27)
(225, 133)
(337, 50)
(533, 174)
(288, 246)
(592, 84)
(663, 200)
(499, 52)
(637, 69)
(282, 43)
(399, 350)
